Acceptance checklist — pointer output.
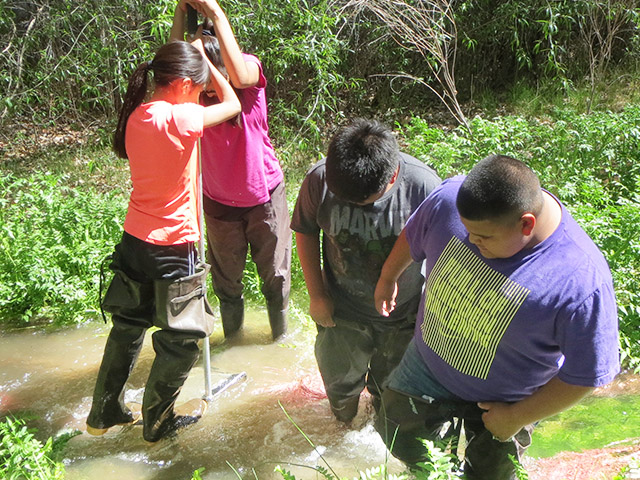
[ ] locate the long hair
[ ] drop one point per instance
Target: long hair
(172, 61)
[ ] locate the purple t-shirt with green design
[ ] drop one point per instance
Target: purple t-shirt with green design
(498, 329)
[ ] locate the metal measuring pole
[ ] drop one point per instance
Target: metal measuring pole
(206, 354)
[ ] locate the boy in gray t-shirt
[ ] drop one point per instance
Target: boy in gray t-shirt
(359, 197)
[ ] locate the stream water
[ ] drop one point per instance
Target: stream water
(50, 378)
(249, 428)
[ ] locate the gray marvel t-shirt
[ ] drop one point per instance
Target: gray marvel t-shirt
(356, 240)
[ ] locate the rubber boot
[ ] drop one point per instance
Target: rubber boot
(278, 321)
(345, 410)
(232, 313)
(120, 354)
(176, 353)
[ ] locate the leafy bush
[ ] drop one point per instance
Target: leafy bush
(591, 162)
(66, 60)
(54, 237)
(69, 58)
(23, 457)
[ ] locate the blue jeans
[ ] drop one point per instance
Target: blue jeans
(414, 378)
(416, 407)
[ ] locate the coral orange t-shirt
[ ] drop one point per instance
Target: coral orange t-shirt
(162, 145)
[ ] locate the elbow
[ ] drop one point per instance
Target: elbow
(241, 85)
(236, 106)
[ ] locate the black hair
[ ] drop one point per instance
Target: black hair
(499, 188)
(172, 61)
(212, 46)
(361, 160)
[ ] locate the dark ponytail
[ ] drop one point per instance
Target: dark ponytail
(136, 91)
(173, 60)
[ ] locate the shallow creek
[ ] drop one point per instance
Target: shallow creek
(49, 376)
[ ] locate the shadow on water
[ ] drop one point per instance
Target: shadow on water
(50, 376)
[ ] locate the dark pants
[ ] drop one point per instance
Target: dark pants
(406, 420)
(230, 232)
(176, 351)
(353, 354)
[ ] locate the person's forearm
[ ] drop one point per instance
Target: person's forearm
(504, 420)
(177, 27)
(308, 248)
(551, 399)
(384, 297)
(229, 105)
(398, 260)
(240, 75)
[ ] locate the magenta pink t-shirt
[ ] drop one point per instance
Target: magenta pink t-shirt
(239, 165)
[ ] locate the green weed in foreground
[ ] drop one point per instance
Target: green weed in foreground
(23, 457)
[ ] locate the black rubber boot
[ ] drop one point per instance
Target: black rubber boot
(278, 321)
(232, 313)
(176, 353)
(120, 354)
(345, 410)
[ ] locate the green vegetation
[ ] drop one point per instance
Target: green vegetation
(54, 236)
(594, 422)
(554, 83)
(25, 458)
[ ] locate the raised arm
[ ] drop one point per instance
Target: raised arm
(320, 304)
(387, 287)
(241, 73)
(229, 105)
(178, 25)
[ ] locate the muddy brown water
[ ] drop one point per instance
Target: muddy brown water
(49, 376)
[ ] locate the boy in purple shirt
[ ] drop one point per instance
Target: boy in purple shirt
(518, 320)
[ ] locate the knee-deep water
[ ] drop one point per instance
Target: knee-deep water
(48, 377)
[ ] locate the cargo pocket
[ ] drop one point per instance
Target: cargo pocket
(181, 304)
(123, 292)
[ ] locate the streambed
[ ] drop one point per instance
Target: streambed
(252, 426)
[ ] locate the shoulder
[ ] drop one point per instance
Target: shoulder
(262, 81)
(317, 170)
(443, 197)
(252, 58)
(185, 110)
(314, 180)
(579, 247)
(188, 117)
(416, 171)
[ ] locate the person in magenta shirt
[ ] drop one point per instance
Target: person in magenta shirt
(245, 202)
(159, 138)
